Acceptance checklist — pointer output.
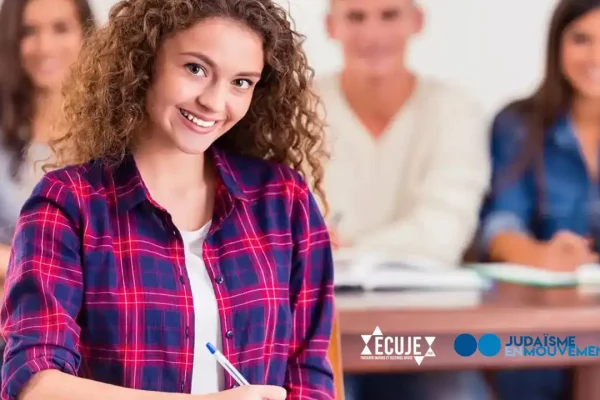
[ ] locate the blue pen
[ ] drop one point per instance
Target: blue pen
(227, 366)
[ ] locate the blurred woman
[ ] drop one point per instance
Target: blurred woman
(544, 206)
(39, 40)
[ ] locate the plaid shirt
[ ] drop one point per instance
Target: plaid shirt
(97, 285)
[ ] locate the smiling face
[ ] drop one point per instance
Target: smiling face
(580, 55)
(203, 82)
(51, 40)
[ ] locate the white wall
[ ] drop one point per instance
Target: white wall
(493, 48)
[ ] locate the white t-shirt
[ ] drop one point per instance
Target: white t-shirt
(14, 192)
(207, 376)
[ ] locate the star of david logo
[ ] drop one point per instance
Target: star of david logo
(377, 332)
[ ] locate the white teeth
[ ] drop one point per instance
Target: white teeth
(197, 121)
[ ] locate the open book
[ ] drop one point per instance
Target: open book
(370, 271)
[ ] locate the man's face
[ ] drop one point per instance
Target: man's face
(373, 33)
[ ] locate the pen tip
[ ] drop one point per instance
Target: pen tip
(210, 347)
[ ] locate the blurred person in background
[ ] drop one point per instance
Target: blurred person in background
(409, 162)
(544, 208)
(409, 165)
(39, 41)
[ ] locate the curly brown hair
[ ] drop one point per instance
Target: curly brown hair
(105, 97)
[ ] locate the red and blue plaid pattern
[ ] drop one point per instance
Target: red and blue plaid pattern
(97, 285)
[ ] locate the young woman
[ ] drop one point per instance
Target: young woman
(183, 218)
(544, 207)
(40, 41)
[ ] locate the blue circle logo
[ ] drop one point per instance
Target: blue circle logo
(489, 345)
(466, 345)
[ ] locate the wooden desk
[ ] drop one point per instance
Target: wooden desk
(507, 310)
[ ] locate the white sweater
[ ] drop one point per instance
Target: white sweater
(416, 191)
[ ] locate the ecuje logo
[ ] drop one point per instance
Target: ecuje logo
(381, 347)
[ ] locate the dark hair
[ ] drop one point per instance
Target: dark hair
(553, 98)
(105, 103)
(16, 90)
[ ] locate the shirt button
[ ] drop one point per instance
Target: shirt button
(182, 387)
(219, 280)
(233, 386)
(174, 232)
(229, 334)
(181, 279)
(187, 331)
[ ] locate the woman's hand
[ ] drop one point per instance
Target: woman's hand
(566, 251)
(250, 392)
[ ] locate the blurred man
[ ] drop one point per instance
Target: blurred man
(410, 155)
(409, 165)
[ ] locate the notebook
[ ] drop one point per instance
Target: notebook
(373, 272)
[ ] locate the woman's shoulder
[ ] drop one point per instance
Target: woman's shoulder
(509, 126)
(11, 197)
(258, 178)
(89, 177)
(5, 163)
(512, 117)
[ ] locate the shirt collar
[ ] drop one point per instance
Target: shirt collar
(563, 132)
(232, 172)
(131, 190)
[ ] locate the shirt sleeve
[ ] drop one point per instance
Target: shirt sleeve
(43, 289)
(309, 373)
(511, 203)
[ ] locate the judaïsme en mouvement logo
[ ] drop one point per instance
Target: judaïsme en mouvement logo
(381, 347)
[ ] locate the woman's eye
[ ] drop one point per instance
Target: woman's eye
(195, 69)
(243, 83)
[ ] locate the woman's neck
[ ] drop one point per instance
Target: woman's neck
(47, 107)
(586, 113)
(169, 168)
(184, 184)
